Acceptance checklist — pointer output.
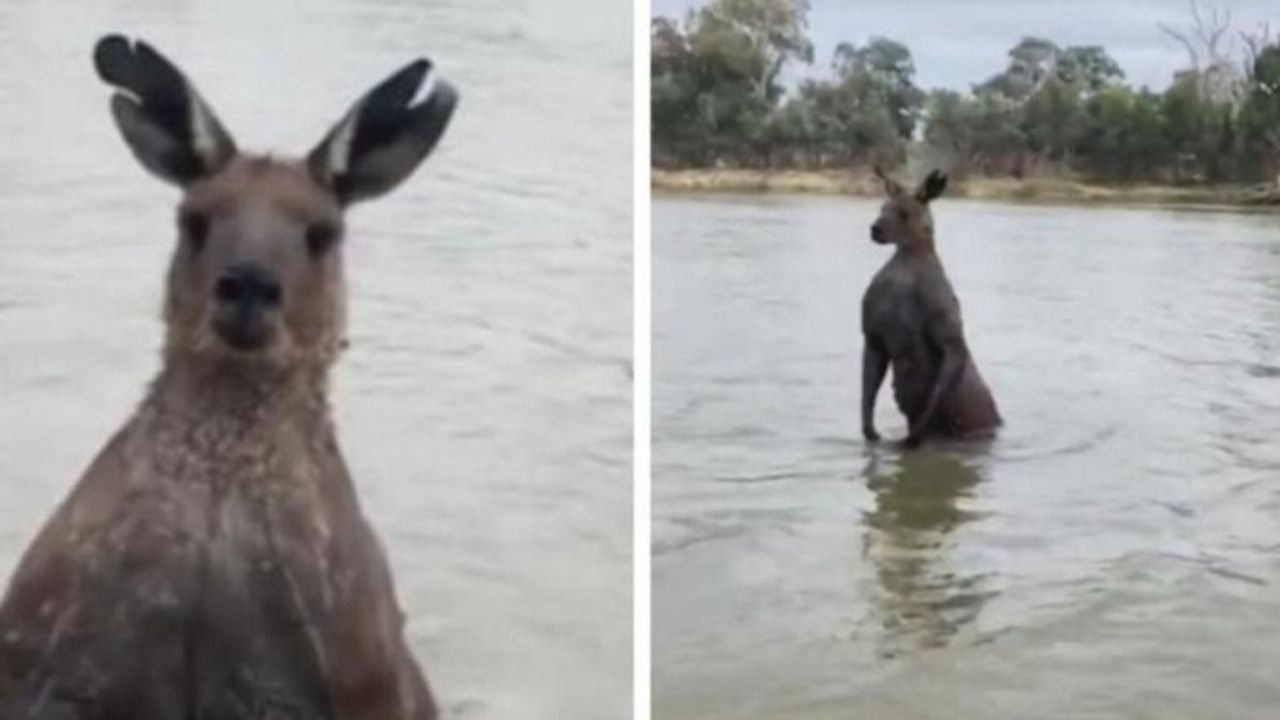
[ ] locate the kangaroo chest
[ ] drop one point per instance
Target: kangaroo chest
(895, 314)
(200, 575)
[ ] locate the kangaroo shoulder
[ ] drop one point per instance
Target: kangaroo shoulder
(934, 287)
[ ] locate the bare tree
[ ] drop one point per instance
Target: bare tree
(1254, 43)
(1209, 49)
(1203, 39)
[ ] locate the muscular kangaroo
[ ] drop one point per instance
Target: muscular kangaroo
(213, 561)
(911, 320)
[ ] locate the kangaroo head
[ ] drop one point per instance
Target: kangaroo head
(257, 273)
(905, 220)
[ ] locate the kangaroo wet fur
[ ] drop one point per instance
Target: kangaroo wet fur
(911, 322)
(213, 560)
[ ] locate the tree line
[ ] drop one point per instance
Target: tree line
(719, 99)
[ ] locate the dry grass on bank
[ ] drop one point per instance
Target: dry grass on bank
(1040, 189)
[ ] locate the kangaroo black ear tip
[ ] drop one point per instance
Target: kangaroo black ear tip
(110, 41)
(414, 72)
(432, 88)
(444, 95)
(109, 51)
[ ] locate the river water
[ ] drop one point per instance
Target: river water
(485, 403)
(1113, 554)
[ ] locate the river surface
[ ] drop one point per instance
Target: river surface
(1115, 553)
(484, 405)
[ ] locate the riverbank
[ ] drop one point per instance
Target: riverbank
(1043, 189)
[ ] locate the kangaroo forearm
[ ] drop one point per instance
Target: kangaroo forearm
(874, 368)
(869, 393)
(948, 376)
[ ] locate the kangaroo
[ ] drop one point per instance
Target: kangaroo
(911, 319)
(213, 560)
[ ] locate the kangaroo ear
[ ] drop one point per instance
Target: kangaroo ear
(385, 135)
(932, 187)
(165, 122)
(891, 186)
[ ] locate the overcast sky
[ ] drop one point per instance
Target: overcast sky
(956, 43)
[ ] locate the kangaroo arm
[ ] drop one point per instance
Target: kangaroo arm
(377, 677)
(372, 671)
(946, 332)
(949, 374)
(875, 363)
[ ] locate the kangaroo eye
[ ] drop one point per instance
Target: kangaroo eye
(321, 236)
(194, 227)
(902, 214)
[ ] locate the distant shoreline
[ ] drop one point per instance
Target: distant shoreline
(862, 184)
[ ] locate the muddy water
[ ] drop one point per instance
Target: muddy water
(1112, 555)
(485, 403)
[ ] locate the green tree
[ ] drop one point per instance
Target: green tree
(951, 128)
(999, 140)
(715, 80)
(882, 73)
(1260, 115)
(718, 98)
(1052, 119)
(1031, 62)
(674, 90)
(1089, 68)
(1123, 137)
(847, 126)
(765, 35)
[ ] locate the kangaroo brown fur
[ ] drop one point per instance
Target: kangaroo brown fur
(213, 561)
(911, 321)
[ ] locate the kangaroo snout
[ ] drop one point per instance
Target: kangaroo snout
(247, 284)
(877, 232)
(246, 294)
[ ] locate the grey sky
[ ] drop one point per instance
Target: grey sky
(956, 44)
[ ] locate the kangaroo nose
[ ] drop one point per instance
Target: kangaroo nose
(877, 232)
(247, 284)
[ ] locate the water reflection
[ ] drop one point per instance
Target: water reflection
(922, 600)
